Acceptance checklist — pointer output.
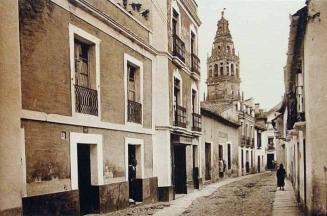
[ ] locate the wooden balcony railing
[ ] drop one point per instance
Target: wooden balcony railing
(178, 48)
(180, 116)
(86, 100)
(134, 112)
(196, 122)
(195, 64)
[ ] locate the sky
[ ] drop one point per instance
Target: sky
(260, 30)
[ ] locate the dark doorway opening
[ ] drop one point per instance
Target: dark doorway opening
(270, 161)
(221, 152)
(88, 194)
(229, 156)
(132, 162)
(180, 169)
(259, 164)
(207, 161)
(195, 168)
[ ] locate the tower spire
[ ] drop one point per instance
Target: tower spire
(223, 12)
(223, 66)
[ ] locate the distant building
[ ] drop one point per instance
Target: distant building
(219, 145)
(223, 85)
(260, 145)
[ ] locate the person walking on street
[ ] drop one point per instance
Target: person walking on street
(281, 177)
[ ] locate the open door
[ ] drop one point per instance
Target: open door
(207, 161)
(88, 195)
(180, 169)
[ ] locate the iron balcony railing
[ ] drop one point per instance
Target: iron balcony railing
(134, 112)
(178, 48)
(195, 64)
(196, 122)
(180, 116)
(248, 141)
(243, 140)
(271, 147)
(86, 100)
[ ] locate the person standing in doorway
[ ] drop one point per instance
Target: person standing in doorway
(221, 168)
(281, 177)
(132, 180)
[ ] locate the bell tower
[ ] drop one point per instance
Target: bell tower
(223, 66)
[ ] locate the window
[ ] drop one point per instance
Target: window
(193, 101)
(216, 70)
(259, 139)
(232, 69)
(192, 43)
(84, 73)
(177, 88)
(81, 64)
(179, 111)
(131, 83)
(175, 22)
(86, 98)
(133, 70)
(221, 69)
(227, 70)
(210, 73)
(270, 140)
(228, 49)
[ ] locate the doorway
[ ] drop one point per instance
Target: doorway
(259, 163)
(88, 195)
(207, 161)
(195, 168)
(270, 161)
(229, 156)
(132, 170)
(180, 169)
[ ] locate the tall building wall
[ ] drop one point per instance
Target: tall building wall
(10, 107)
(315, 78)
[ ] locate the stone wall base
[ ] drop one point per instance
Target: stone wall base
(11, 212)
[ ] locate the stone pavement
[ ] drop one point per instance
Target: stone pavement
(178, 206)
(285, 203)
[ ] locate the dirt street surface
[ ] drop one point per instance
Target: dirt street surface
(252, 196)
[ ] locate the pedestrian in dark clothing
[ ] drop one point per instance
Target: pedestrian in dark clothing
(281, 177)
(132, 180)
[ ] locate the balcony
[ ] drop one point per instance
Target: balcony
(178, 48)
(195, 64)
(248, 141)
(271, 147)
(196, 122)
(86, 100)
(243, 140)
(134, 112)
(180, 116)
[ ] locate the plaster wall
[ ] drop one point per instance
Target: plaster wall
(44, 36)
(315, 77)
(11, 170)
(217, 133)
(48, 156)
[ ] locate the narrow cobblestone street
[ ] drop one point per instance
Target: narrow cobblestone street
(250, 195)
